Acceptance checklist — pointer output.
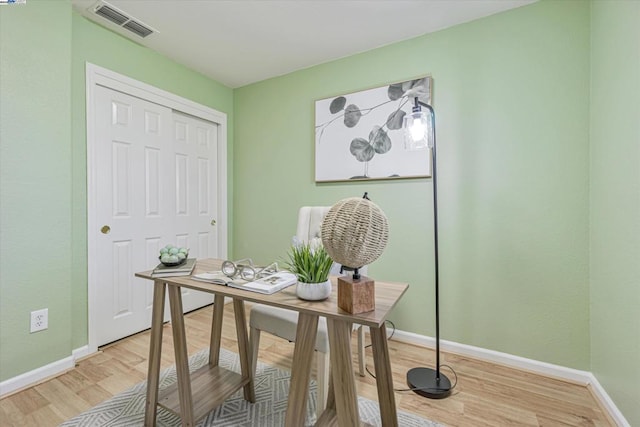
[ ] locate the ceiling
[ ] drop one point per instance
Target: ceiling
(238, 42)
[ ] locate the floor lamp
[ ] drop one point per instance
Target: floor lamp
(420, 134)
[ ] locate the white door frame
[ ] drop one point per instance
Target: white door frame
(98, 76)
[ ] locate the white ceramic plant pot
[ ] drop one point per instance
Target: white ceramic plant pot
(313, 291)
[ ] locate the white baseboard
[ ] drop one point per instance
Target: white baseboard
(548, 369)
(35, 376)
(31, 378)
(81, 352)
(600, 393)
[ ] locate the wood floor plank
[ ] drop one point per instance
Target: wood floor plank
(29, 401)
(123, 381)
(487, 394)
(10, 414)
(94, 394)
(66, 401)
(44, 416)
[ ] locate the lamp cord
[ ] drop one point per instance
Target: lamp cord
(393, 331)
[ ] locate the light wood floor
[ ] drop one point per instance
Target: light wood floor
(486, 394)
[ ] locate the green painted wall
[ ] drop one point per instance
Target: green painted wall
(615, 202)
(511, 94)
(44, 47)
(94, 44)
(35, 183)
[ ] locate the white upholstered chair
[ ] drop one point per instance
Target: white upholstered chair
(283, 323)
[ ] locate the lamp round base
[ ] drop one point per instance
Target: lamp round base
(423, 382)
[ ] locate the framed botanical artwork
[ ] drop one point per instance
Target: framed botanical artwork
(359, 136)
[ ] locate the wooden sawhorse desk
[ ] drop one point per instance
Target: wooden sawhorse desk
(195, 395)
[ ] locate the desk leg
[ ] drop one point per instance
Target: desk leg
(155, 354)
(182, 360)
(344, 386)
(384, 379)
(216, 330)
(243, 349)
(301, 369)
(328, 416)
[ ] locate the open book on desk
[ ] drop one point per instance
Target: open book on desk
(265, 285)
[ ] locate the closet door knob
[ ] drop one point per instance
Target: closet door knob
(105, 229)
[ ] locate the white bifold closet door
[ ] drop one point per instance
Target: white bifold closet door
(156, 184)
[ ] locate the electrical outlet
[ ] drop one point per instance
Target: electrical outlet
(39, 320)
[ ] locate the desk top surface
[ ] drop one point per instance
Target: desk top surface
(387, 295)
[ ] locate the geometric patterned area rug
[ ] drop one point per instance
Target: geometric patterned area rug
(271, 384)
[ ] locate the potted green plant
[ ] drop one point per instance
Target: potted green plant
(311, 264)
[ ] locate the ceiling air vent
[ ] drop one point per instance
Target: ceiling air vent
(138, 28)
(122, 19)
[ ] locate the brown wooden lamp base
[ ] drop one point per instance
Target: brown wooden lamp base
(356, 295)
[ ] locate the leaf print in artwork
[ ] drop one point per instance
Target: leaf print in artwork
(352, 115)
(395, 119)
(337, 104)
(361, 149)
(417, 88)
(395, 91)
(379, 140)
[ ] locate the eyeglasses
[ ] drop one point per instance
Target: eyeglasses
(245, 269)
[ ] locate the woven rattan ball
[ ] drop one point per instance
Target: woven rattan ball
(355, 232)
